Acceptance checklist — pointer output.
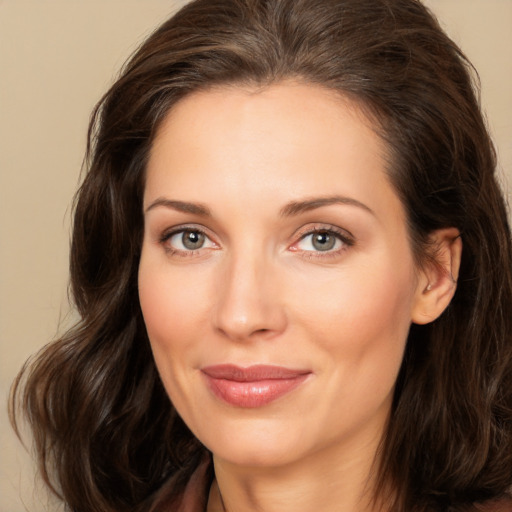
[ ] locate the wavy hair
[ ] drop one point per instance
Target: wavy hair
(106, 435)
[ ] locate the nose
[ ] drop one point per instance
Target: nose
(248, 304)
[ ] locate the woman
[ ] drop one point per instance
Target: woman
(293, 266)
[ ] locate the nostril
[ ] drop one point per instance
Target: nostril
(247, 305)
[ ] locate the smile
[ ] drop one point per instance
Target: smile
(254, 386)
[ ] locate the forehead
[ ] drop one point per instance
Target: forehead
(290, 139)
(269, 108)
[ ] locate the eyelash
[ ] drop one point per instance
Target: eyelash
(346, 239)
(167, 235)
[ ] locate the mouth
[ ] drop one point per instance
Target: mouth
(254, 386)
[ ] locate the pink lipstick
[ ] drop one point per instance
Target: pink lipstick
(254, 386)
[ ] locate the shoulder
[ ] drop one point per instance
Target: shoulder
(501, 505)
(194, 498)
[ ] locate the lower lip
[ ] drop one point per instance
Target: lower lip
(253, 394)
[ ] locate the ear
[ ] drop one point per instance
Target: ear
(437, 281)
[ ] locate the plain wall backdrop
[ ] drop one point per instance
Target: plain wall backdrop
(57, 57)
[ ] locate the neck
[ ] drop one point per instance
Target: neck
(329, 480)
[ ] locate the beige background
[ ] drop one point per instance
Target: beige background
(56, 59)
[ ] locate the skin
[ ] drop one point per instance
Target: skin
(260, 292)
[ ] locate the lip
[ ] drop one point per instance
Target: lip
(254, 386)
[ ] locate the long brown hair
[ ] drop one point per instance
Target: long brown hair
(106, 436)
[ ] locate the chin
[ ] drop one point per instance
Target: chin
(256, 457)
(254, 446)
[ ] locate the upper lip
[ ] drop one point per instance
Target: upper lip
(251, 373)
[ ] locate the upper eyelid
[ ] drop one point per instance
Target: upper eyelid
(319, 227)
(168, 232)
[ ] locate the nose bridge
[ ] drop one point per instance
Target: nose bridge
(248, 301)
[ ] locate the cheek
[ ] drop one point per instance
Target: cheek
(172, 304)
(362, 321)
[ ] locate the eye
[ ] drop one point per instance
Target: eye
(187, 240)
(319, 241)
(323, 240)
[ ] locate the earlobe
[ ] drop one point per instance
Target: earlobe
(438, 279)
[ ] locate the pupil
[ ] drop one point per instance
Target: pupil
(193, 239)
(323, 241)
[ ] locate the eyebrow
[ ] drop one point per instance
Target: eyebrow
(181, 206)
(289, 210)
(298, 207)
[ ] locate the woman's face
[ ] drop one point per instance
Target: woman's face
(276, 279)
